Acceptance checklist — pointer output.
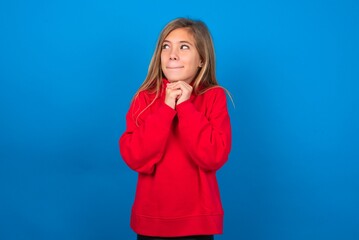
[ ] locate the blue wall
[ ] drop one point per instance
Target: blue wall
(68, 70)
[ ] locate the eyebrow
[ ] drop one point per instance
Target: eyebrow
(179, 42)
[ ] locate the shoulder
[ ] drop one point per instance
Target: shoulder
(142, 101)
(218, 97)
(215, 92)
(143, 97)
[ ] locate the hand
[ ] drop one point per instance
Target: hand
(183, 89)
(172, 95)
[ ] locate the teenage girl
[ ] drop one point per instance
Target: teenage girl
(177, 136)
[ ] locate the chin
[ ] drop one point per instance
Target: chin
(173, 79)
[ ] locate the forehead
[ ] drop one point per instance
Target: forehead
(179, 35)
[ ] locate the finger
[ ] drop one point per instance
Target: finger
(186, 88)
(181, 85)
(171, 86)
(174, 92)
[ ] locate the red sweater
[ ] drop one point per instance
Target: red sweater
(177, 153)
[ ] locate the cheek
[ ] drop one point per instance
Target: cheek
(195, 63)
(195, 60)
(163, 61)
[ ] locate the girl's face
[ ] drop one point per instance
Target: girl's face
(179, 57)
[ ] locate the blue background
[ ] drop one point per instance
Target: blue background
(68, 70)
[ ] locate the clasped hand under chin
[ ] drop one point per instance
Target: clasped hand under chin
(177, 92)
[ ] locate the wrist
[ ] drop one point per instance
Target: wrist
(171, 104)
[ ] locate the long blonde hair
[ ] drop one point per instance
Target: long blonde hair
(206, 76)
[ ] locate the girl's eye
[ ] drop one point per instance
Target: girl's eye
(184, 47)
(165, 46)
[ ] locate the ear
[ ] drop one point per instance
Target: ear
(200, 64)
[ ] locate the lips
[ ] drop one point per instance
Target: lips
(175, 67)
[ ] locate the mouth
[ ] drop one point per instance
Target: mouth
(174, 68)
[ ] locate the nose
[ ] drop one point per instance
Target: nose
(174, 54)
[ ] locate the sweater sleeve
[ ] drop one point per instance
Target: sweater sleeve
(142, 144)
(206, 136)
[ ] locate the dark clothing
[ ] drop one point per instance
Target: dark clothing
(201, 237)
